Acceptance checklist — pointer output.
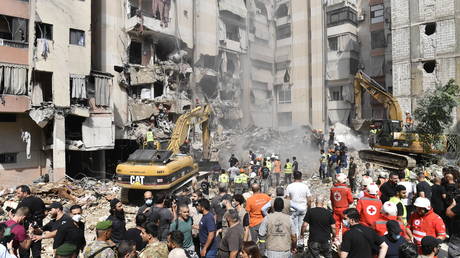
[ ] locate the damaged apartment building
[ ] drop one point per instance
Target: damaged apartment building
(425, 49)
(55, 111)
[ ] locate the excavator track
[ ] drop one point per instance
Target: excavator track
(387, 159)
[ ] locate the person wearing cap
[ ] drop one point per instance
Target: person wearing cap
(341, 198)
(102, 247)
(424, 222)
(66, 250)
(393, 238)
(388, 212)
(430, 247)
(117, 216)
(401, 193)
(58, 218)
(388, 189)
(369, 205)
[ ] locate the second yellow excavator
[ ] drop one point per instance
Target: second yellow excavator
(392, 147)
(169, 169)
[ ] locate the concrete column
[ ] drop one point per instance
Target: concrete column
(59, 169)
(100, 157)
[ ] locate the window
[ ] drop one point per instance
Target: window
(378, 39)
(14, 31)
(135, 52)
(6, 158)
(43, 31)
(283, 31)
(285, 119)
(341, 16)
(336, 93)
(282, 11)
(333, 43)
(377, 13)
(233, 32)
(284, 95)
(77, 37)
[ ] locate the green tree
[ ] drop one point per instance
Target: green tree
(434, 113)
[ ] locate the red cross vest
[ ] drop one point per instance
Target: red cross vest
(341, 196)
(369, 208)
(380, 225)
(429, 225)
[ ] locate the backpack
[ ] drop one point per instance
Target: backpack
(265, 172)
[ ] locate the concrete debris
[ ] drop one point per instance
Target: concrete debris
(141, 111)
(79, 111)
(42, 115)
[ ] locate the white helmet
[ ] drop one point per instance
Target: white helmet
(252, 175)
(372, 188)
(422, 203)
(341, 178)
(390, 208)
(258, 163)
(367, 180)
(251, 162)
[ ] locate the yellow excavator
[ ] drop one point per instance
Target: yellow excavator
(168, 169)
(392, 147)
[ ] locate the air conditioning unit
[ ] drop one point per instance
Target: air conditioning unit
(361, 18)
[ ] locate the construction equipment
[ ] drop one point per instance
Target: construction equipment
(169, 169)
(392, 147)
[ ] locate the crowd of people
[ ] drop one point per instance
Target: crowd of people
(261, 207)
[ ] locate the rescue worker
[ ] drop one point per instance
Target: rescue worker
(239, 184)
(388, 212)
(321, 139)
(150, 140)
(244, 181)
(369, 205)
(341, 198)
(424, 222)
(401, 193)
(331, 137)
(409, 121)
(224, 179)
(288, 169)
(276, 171)
(269, 165)
(322, 164)
(372, 136)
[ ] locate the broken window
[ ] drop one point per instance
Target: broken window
(285, 119)
(378, 39)
(78, 88)
(336, 93)
(283, 31)
(284, 95)
(158, 89)
(42, 83)
(13, 31)
(333, 43)
(135, 53)
(430, 28)
(341, 16)
(232, 32)
(77, 37)
(377, 13)
(282, 11)
(73, 127)
(43, 31)
(8, 158)
(429, 66)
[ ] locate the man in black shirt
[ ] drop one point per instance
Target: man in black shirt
(217, 206)
(117, 216)
(352, 174)
(322, 229)
(58, 218)
(161, 216)
(134, 234)
(69, 232)
(233, 160)
(295, 164)
(388, 189)
(423, 188)
(453, 212)
(76, 212)
(360, 241)
(35, 218)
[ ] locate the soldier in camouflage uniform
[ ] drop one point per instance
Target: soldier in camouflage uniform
(154, 248)
(100, 248)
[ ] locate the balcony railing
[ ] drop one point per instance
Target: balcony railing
(13, 43)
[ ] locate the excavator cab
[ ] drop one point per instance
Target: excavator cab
(385, 131)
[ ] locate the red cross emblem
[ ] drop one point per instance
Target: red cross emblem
(417, 222)
(337, 196)
(371, 210)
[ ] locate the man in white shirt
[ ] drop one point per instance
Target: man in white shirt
(411, 190)
(300, 194)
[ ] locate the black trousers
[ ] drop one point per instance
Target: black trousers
(35, 249)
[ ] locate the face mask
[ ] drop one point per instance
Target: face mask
(395, 236)
(76, 217)
(346, 223)
(149, 202)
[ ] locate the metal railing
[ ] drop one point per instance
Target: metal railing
(13, 43)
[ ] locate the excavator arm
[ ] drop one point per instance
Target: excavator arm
(198, 115)
(377, 92)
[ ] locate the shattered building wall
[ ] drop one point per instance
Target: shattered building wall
(425, 52)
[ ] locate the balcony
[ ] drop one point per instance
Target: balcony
(14, 52)
(14, 104)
